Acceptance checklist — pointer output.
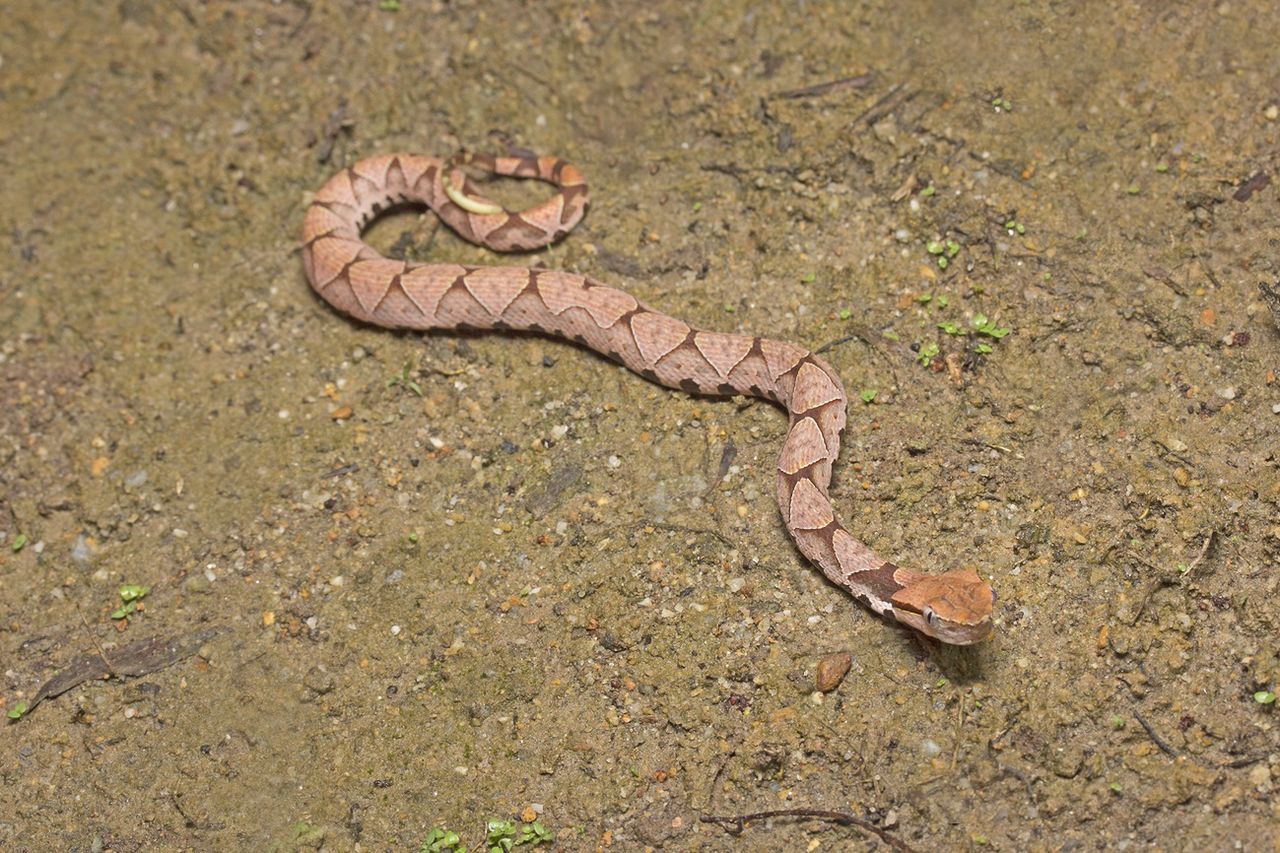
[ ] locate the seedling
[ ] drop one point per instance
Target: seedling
(403, 379)
(130, 595)
(17, 712)
(928, 353)
(988, 328)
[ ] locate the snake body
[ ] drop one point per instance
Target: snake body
(955, 607)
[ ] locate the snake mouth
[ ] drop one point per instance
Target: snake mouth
(954, 633)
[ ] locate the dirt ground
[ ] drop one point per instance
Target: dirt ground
(399, 582)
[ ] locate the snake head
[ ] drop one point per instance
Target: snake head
(954, 607)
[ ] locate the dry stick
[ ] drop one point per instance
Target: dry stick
(1155, 738)
(830, 86)
(841, 818)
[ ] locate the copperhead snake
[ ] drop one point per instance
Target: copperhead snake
(955, 607)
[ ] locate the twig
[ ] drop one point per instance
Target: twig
(824, 88)
(1209, 542)
(1155, 738)
(841, 818)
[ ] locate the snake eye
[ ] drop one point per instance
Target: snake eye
(930, 616)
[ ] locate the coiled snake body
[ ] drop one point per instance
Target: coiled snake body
(955, 607)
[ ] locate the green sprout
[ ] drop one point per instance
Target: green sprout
(389, 5)
(951, 329)
(925, 298)
(890, 334)
(1162, 167)
(1133, 189)
(988, 328)
(928, 353)
(442, 841)
(19, 541)
(1265, 697)
(1014, 226)
(17, 712)
(502, 835)
(867, 395)
(403, 379)
(983, 349)
(844, 313)
(697, 205)
(130, 595)
(1002, 103)
(1118, 721)
(943, 251)
(1115, 788)
(928, 191)
(808, 278)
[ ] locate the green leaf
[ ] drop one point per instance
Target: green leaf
(18, 711)
(808, 278)
(890, 334)
(984, 348)
(19, 541)
(928, 191)
(844, 313)
(1264, 697)
(933, 247)
(942, 262)
(924, 298)
(389, 5)
(928, 353)
(867, 395)
(951, 328)
(133, 592)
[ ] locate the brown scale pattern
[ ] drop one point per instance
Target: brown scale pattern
(358, 281)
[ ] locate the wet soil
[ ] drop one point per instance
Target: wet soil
(400, 581)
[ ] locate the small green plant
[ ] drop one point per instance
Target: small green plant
(844, 313)
(1002, 104)
(404, 380)
(944, 251)
(867, 395)
(951, 328)
(130, 595)
(502, 835)
(19, 542)
(928, 353)
(988, 328)
(441, 840)
(1265, 697)
(928, 191)
(17, 712)
(1013, 226)
(389, 5)
(808, 278)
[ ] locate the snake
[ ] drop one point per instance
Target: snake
(953, 607)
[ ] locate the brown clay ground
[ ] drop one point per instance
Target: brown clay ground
(409, 610)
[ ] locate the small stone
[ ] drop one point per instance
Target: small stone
(930, 748)
(318, 680)
(1272, 112)
(831, 671)
(196, 583)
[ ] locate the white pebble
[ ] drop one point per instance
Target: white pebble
(930, 749)
(395, 630)
(736, 584)
(614, 462)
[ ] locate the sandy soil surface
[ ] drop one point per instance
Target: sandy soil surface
(397, 582)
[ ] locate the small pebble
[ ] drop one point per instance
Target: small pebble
(930, 748)
(831, 671)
